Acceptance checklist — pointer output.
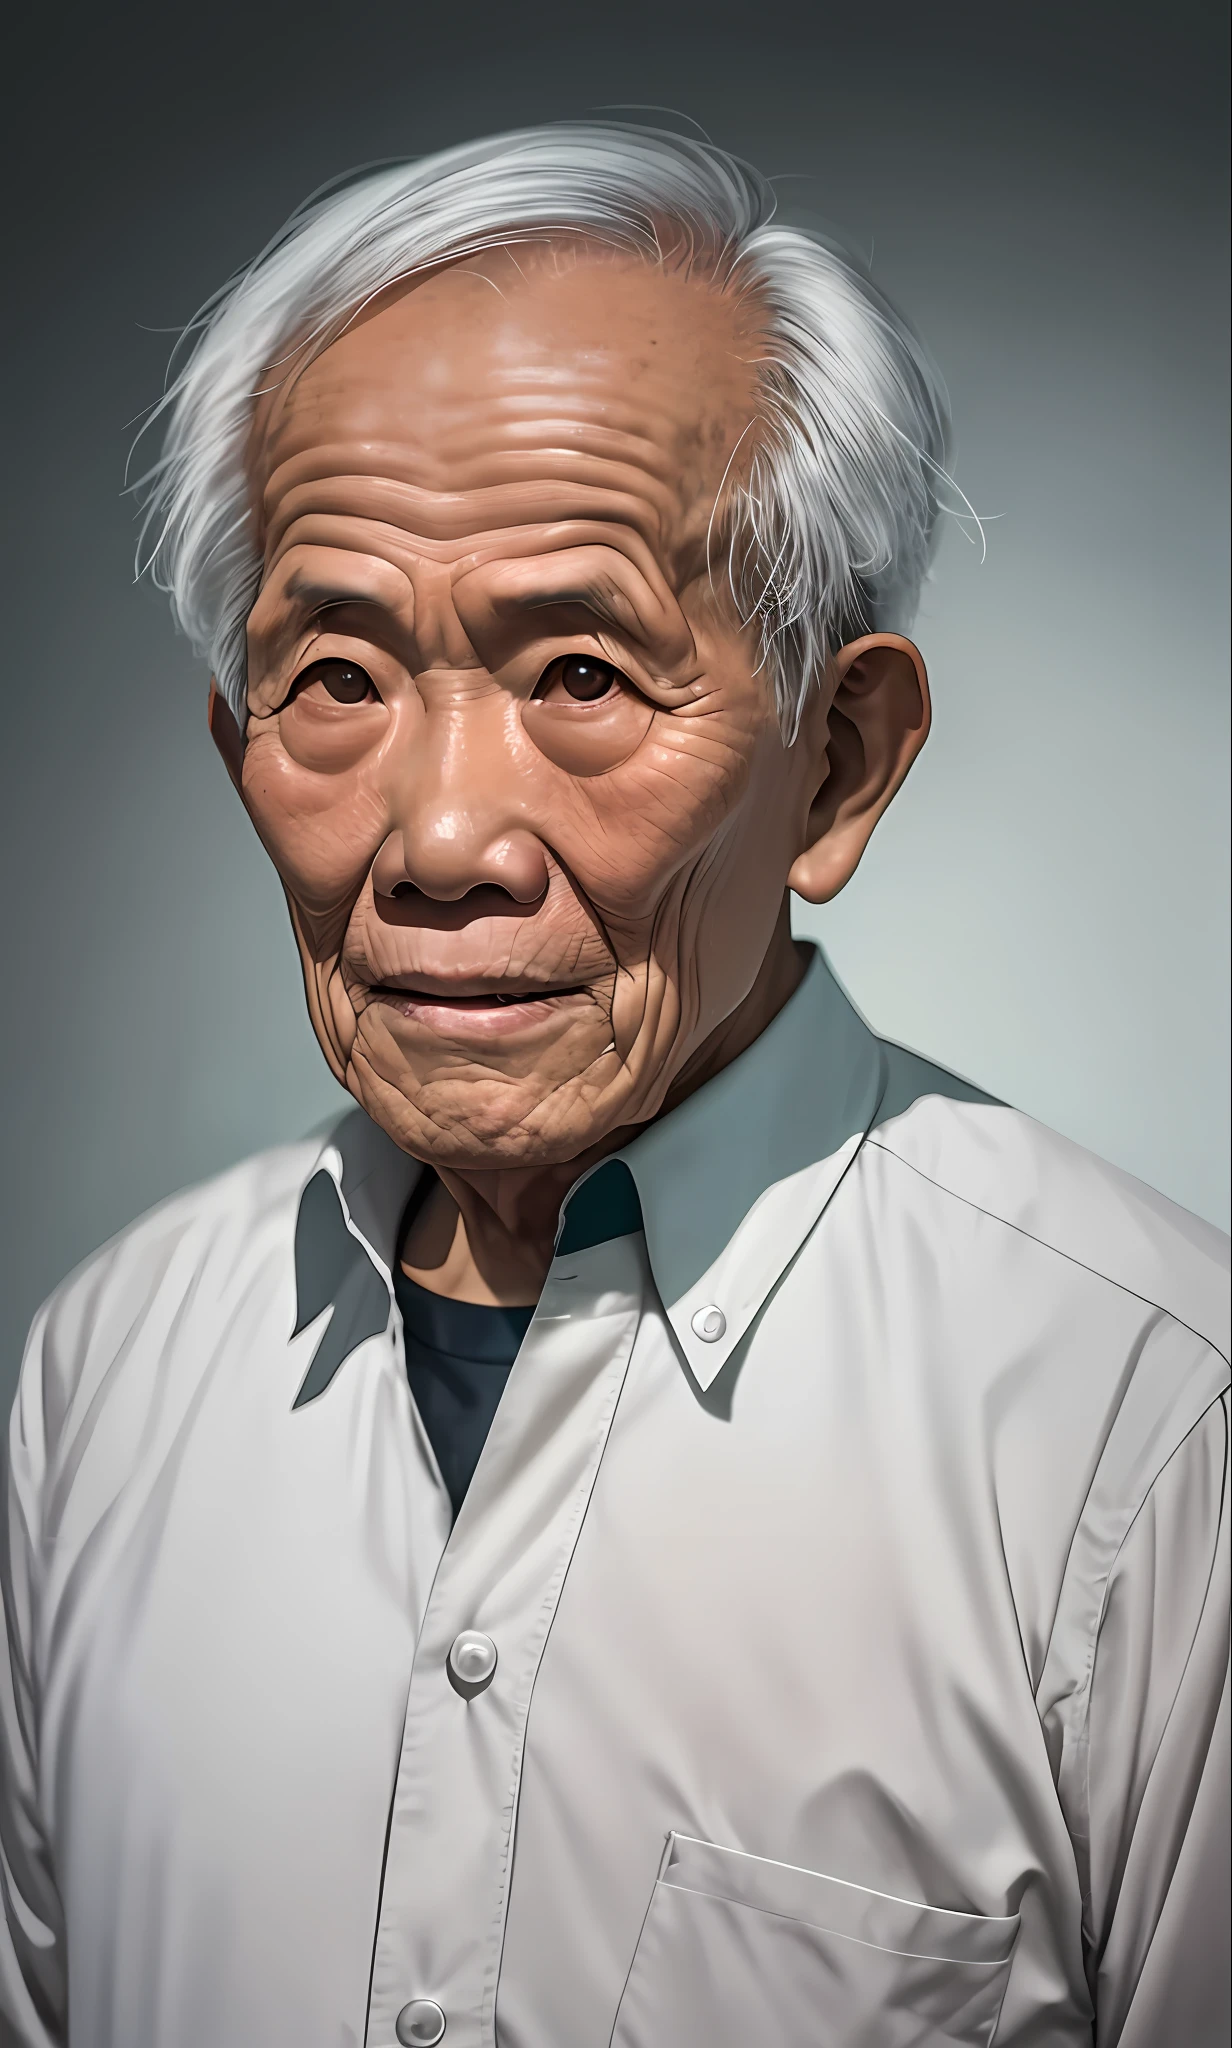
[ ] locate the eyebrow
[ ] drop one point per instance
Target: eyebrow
(310, 595)
(378, 583)
(583, 592)
(552, 581)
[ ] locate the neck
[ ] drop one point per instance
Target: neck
(488, 1237)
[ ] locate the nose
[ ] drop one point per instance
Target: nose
(457, 814)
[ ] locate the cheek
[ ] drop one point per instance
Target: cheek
(587, 742)
(327, 738)
(635, 830)
(322, 831)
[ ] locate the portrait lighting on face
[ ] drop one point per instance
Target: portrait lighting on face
(527, 588)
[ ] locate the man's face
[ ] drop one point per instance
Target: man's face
(507, 746)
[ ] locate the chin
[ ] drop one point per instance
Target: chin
(483, 1126)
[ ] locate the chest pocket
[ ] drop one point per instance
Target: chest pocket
(736, 1950)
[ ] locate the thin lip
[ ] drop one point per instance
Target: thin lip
(470, 992)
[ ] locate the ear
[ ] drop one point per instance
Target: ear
(875, 724)
(226, 735)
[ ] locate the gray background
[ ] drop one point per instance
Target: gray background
(1041, 188)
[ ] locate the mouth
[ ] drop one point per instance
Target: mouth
(471, 1011)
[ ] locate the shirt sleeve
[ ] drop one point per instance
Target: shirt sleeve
(1157, 1910)
(32, 1984)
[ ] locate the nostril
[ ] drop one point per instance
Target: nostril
(402, 889)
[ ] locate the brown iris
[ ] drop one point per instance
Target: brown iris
(344, 681)
(578, 676)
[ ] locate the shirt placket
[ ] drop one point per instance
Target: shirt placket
(444, 1892)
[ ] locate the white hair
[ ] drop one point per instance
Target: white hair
(828, 527)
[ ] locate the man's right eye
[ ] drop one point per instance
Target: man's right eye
(344, 681)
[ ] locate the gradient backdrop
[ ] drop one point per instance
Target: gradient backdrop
(1041, 188)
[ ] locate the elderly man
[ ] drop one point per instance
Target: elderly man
(677, 1524)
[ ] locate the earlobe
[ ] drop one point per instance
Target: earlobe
(878, 720)
(226, 735)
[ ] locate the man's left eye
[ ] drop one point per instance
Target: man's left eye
(579, 677)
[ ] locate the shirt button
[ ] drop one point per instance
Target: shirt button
(471, 1662)
(709, 1324)
(421, 2024)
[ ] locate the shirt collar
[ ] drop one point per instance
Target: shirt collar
(730, 1183)
(733, 1180)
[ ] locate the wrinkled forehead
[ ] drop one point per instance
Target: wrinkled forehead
(547, 370)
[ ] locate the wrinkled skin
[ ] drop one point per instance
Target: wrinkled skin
(507, 745)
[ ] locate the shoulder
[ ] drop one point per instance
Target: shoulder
(1085, 1314)
(967, 1150)
(183, 1267)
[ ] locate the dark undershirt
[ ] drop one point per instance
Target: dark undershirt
(459, 1353)
(458, 1357)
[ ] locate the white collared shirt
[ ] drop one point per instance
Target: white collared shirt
(848, 1546)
